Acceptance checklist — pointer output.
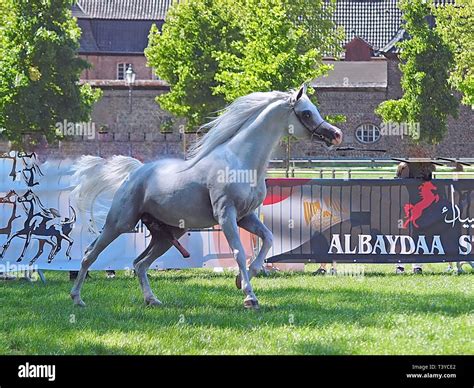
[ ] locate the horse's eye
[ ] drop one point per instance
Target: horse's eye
(307, 114)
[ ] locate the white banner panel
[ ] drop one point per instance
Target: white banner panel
(39, 224)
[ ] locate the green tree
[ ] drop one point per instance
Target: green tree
(426, 63)
(39, 81)
(456, 26)
(212, 51)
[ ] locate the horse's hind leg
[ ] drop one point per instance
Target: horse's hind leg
(109, 234)
(8, 242)
(120, 219)
(54, 250)
(158, 246)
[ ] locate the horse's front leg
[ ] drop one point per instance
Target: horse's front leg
(25, 247)
(227, 218)
(252, 224)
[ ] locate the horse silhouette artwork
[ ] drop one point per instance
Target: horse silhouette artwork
(7, 200)
(414, 211)
(7, 230)
(30, 169)
(44, 225)
(172, 196)
(11, 156)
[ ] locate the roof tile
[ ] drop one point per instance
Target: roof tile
(125, 9)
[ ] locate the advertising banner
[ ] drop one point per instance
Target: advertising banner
(320, 220)
(370, 220)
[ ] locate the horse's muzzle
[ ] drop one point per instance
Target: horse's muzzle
(329, 134)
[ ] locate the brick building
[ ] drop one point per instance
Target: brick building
(114, 35)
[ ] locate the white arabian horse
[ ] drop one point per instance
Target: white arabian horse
(172, 195)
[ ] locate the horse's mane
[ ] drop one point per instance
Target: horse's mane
(230, 121)
(44, 211)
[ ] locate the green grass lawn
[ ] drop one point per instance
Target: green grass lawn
(377, 313)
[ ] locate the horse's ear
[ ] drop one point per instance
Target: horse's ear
(297, 95)
(302, 91)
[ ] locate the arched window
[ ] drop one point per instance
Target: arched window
(368, 133)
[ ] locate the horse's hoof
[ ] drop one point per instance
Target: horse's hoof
(19, 260)
(78, 301)
(251, 304)
(238, 282)
(265, 272)
(153, 302)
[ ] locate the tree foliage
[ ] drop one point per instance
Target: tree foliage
(213, 51)
(39, 81)
(426, 64)
(456, 26)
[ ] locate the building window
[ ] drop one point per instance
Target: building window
(121, 69)
(367, 133)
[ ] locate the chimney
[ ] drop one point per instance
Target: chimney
(358, 50)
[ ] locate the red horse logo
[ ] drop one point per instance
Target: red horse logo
(414, 211)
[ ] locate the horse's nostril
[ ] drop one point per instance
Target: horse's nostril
(337, 138)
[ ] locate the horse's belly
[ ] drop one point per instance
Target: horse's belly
(182, 208)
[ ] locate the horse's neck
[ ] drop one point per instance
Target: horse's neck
(254, 145)
(29, 211)
(13, 216)
(38, 203)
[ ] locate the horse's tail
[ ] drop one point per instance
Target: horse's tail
(71, 220)
(95, 176)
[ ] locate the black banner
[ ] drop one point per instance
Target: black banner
(370, 221)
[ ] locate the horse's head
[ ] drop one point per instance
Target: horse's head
(306, 121)
(8, 198)
(427, 187)
(29, 196)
